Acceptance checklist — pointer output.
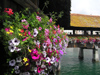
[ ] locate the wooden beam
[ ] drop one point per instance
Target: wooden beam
(36, 2)
(27, 4)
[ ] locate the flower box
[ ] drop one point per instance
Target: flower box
(34, 43)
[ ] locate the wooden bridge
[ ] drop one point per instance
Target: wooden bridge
(74, 42)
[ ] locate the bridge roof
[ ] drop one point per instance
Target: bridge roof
(80, 20)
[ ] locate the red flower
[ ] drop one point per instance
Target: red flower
(25, 34)
(54, 32)
(22, 31)
(64, 36)
(38, 46)
(9, 11)
(59, 40)
(58, 26)
(37, 12)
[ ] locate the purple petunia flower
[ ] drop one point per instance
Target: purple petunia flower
(16, 67)
(61, 52)
(12, 62)
(60, 45)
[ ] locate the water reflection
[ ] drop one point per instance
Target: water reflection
(71, 65)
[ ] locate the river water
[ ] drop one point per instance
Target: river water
(71, 65)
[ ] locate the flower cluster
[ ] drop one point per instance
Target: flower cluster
(35, 43)
(84, 40)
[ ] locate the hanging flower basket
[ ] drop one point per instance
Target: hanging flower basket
(34, 43)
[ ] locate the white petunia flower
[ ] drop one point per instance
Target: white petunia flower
(18, 49)
(18, 59)
(12, 48)
(35, 32)
(38, 42)
(10, 42)
(50, 67)
(38, 62)
(52, 60)
(17, 71)
(50, 45)
(15, 42)
(47, 59)
(16, 67)
(44, 45)
(12, 62)
(54, 48)
(43, 66)
(44, 53)
(34, 41)
(43, 73)
(35, 69)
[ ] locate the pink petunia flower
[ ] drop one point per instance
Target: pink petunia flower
(58, 31)
(39, 69)
(46, 32)
(40, 28)
(29, 33)
(23, 20)
(7, 29)
(48, 41)
(50, 20)
(25, 26)
(38, 18)
(55, 27)
(55, 40)
(25, 39)
(35, 55)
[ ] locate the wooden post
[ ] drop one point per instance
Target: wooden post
(95, 54)
(73, 32)
(91, 32)
(81, 54)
